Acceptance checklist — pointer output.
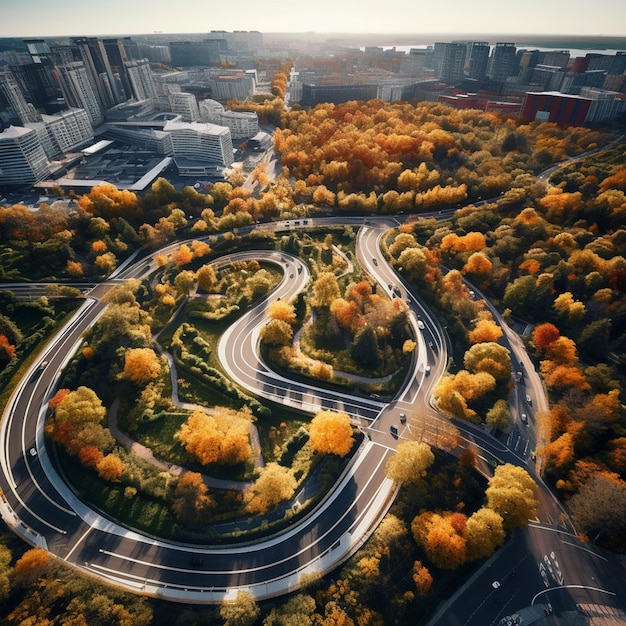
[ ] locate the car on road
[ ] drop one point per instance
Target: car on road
(402, 418)
(33, 452)
(427, 370)
(374, 261)
(524, 418)
(529, 399)
(420, 325)
(393, 429)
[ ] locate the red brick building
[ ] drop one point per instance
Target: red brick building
(552, 106)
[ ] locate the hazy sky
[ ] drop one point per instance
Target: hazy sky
(25, 18)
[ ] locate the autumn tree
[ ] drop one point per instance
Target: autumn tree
(422, 579)
(191, 501)
(31, 566)
(141, 365)
(273, 485)
(410, 462)
(485, 330)
(499, 415)
(599, 510)
(489, 357)
(282, 310)
(207, 278)
(110, 468)
(325, 289)
(442, 540)
(331, 432)
(242, 611)
(277, 333)
(484, 533)
(6, 572)
(511, 494)
(222, 436)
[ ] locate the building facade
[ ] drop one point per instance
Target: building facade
(22, 158)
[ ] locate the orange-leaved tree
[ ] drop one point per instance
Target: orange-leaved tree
(331, 433)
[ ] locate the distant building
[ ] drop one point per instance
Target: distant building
(315, 94)
(503, 62)
(479, 60)
(237, 86)
(451, 65)
(185, 105)
(241, 124)
(605, 105)
(78, 91)
(552, 106)
(22, 158)
(201, 142)
(24, 110)
(140, 82)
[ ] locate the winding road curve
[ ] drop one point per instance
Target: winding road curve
(39, 506)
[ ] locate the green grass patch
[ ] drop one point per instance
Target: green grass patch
(140, 512)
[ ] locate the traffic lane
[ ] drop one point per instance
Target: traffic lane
(168, 564)
(584, 569)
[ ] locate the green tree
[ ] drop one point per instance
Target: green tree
(364, 349)
(499, 415)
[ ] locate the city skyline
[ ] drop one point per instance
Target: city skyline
(43, 18)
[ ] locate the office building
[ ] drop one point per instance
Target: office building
(202, 142)
(185, 105)
(605, 105)
(78, 91)
(71, 128)
(192, 53)
(237, 86)
(22, 158)
(242, 124)
(94, 57)
(140, 82)
(17, 99)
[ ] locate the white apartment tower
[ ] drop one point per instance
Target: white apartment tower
(208, 143)
(185, 105)
(140, 78)
(22, 159)
(242, 124)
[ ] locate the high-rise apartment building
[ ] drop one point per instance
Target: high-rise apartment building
(201, 142)
(24, 110)
(78, 90)
(185, 105)
(96, 61)
(503, 62)
(140, 82)
(479, 60)
(22, 158)
(450, 68)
